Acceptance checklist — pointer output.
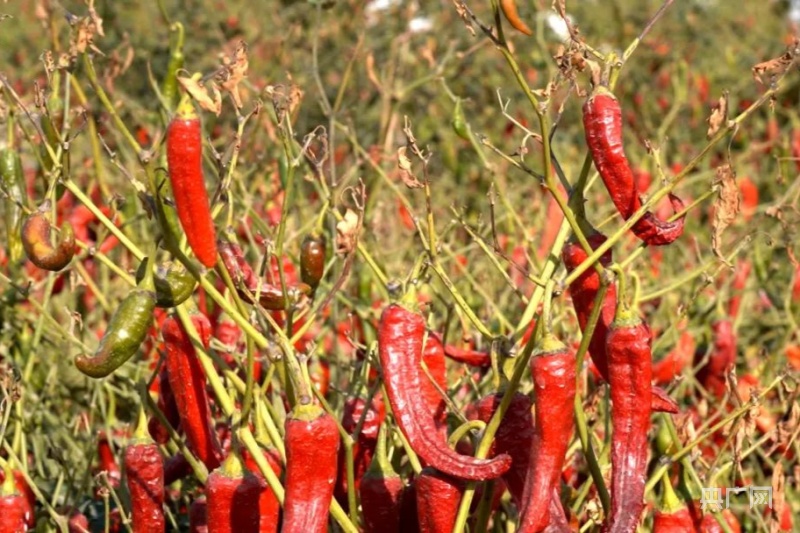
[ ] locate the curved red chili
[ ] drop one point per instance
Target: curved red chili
(438, 497)
(602, 122)
(232, 495)
(312, 442)
(144, 474)
(466, 356)
(553, 374)
(400, 336)
(509, 9)
(629, 368)
(583, 292)
(35, 235)
(188, 383)
(185, 160)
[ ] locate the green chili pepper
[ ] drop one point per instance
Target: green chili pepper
(169, 86)
(173, 283)
(459, 122)
(125, 333)
(14, 187)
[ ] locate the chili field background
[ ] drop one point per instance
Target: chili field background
(357, 155)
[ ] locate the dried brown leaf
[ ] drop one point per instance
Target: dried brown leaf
(404, 164)
(778, 65)
(210, 102)
(233, 72)
(726, 206)
(719, 115)
(347, 232)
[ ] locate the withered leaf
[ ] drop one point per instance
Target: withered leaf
(210, 102)
(778, 65)
(233, 72)
(726, 206)
(347, 232)
(404, 164)
(719, 114)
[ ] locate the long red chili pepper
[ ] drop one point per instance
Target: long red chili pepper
(185, 159)
(269, 508)
(602, 122)
(433, 356)
(144, 471)
(381, 491)
(166, 404)
(108, 463)
(509, 9)
(232, 498)
(722, 357)
(553, 373)
(13, 506)
(188, 383)
(438, 496)
(671, 365)
(514, 436)
(312, 442)
(583, 291)
(400, 337)
(630, 370)
(466, 356)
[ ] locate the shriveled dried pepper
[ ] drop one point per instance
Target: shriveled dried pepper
(188, 383)
(381, 491)
(185, 159)
(630, 371)
(249, 285)
(509, 9)
(312, 442)
(553, 374)
(125, 332)
(400, 338)
(232, 494)
(602, 122)
(174, 284)
(144, 471)
(13, 506)
(36, 241)
(438, 496)
(312, 260)
(14, 186)
(583, 292)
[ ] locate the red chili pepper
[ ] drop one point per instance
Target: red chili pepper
(462, 355)
(602, 122)
(35, 234)
(77, 523)
(671, 365)
(14, 509)
(630, 371)
(108, 463)
(188, 383)
(364, 445)
(198, 516)
(409, 522)
(269, 508)
(233, 496)
(674, 515)
(722, 357)
(583, 291)
(558, 518)
(433, 356)
(381, 491)
(185, 160)
(553, 374)
(709, 523)
(312, 442)
(438, 496)
(166, 404)
(509, 9)
(400, 336)
(514, 436)
(175, 468)
(144, 474)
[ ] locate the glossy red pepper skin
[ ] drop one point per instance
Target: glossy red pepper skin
(13, 509)
(678, 521)
(400, 337)
(438, 497)
(602, 122)
(583, 292)
(553, 373)
(188, 383)
(515, 437)
(232, 502)
(269, 508)
(185, 160)
(629, 365)
(30, 498)
(144, 471)
(312, 442)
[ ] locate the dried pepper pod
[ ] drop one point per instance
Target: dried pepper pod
(174, 284)
(13, 184)
(630, 371)
(514, 436)
(381, 491)
(36, 241)
(553, 373)
(14, 508)
(438, 497)
(232, 494)
(249, 286)
(312, 442)
(144, 471)
(125, 332)
(509, 9)
(188, 383)
(583, 292)
(312, 260)
(602, 122)
(400, 338)
(185, 160)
